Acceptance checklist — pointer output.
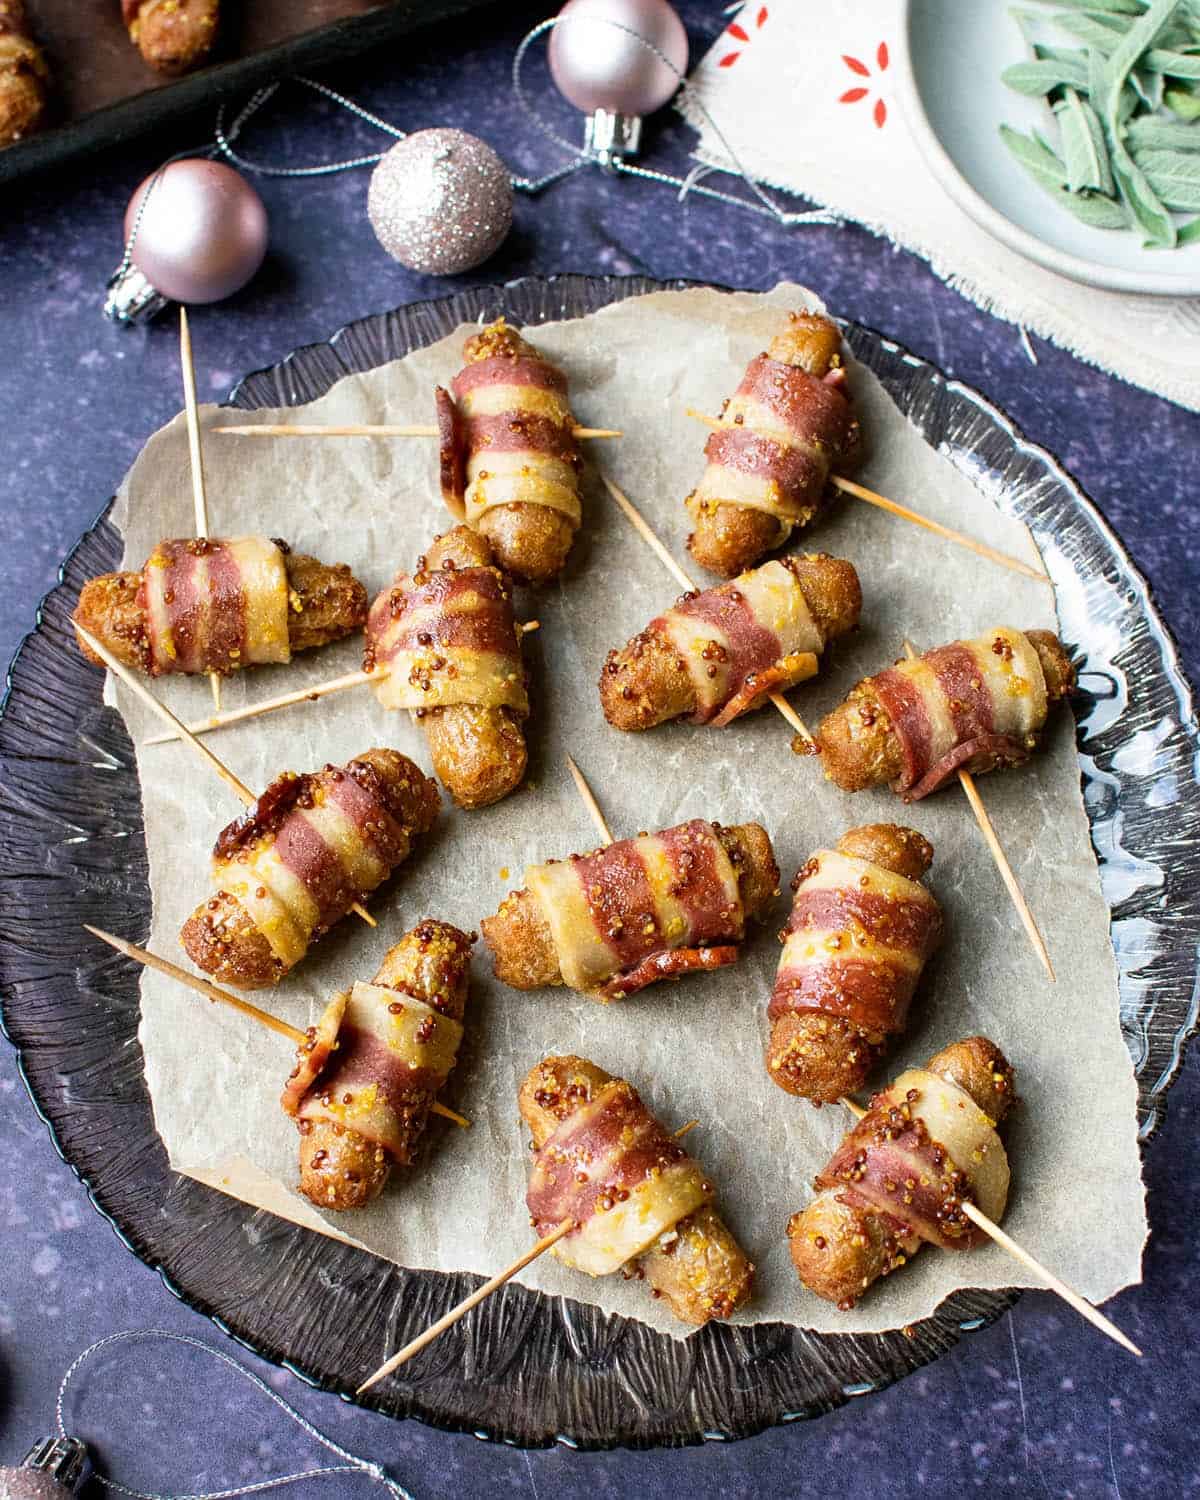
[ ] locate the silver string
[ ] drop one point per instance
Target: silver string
(353, 1465)
(690, 184)
(766, 204)
(256, 102)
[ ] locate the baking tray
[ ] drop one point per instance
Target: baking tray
(105, 95)
(525, 1368)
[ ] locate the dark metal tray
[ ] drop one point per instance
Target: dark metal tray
(525, 1368)
(105, 95)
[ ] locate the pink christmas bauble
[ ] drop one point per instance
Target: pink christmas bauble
(203, 233)
(598, 62)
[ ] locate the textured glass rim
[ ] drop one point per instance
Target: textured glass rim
(1160, 1059)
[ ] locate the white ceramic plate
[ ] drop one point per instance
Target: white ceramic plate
(948, 72)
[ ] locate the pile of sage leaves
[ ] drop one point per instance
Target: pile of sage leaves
(1126, 99)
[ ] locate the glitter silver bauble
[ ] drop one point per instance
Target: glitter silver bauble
(441, 201)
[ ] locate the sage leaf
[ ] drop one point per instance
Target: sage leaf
(1177, 64)
(1049, 172)
(1136, 191)
(1109, 7)
(1038, 160)
(1103, 35)
(1164, 135)
(1085, 150)
(1149, 88)
(1183, 103)
(1189, 234)
(1174, 176)
(1037, 78)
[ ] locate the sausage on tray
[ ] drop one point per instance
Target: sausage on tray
(861, 930)
(654, 907)
(299, 858)
(716, 655)
(444, 644)
(510, 464)
(969, 706)
(173, 36)
(899, 1178)
(369, 1070)
(788, 426)
(643, 1206)
(205, 605)
(24, 75)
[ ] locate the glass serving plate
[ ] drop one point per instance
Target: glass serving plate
(526, 1368)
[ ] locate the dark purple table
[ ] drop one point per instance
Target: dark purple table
(1038, 1404)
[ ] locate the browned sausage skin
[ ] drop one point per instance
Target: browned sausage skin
(325, 604)
(653, 679)
(857, 941)
(24, 75)
(173, 36)
(788, 425)
(861, 746)
(524, 954)
(337, 833)
(697, 1266)
(341, 1167)
(841, 1246)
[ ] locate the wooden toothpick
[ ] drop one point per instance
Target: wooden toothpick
(996, 849)
(447, 1320)
(285, 700)
(377, 430)
(643, 528)
(192, 415)
(860, 492)
(1006, 1242)
(589, 801)
(181, 731)
(235, 1002)
(460, 1310)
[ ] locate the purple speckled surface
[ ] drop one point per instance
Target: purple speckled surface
(1036, 1405)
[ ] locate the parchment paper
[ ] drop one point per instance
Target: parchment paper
(693, 1049)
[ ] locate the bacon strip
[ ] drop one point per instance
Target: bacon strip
(741, 640)
(856, 942)
(511, 438)
(613, 914)
(922, 1150)
(613, 1169)
(393, 1053)
(305, 852)
(784, 429)
(971, 705)
(214, 606)
(452, 454)
(446, 638)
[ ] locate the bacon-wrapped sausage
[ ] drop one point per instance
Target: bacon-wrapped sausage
(655, 907)
(861, 930)
(716, 655)
(969, 706)
(642, 1204)
(510, 463)
(211, 605)
(173, 36)
(900, 1177)
(787, 427)
(443, 643)
(369, 1070)
(298, 860)
(24, 76)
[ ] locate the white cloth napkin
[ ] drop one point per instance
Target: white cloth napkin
(803, 93)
